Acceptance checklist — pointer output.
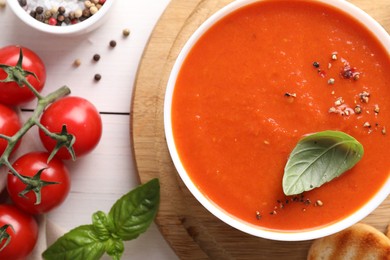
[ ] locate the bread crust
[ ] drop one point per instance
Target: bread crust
(360, 242)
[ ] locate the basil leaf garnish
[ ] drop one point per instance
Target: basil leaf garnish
(318, 158)
(130, 216)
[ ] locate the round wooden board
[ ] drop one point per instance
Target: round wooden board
(192, 231)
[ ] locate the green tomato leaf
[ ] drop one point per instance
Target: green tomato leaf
(132, 214)
(80, 243)
(318, 158)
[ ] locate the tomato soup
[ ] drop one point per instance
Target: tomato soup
(260, 79)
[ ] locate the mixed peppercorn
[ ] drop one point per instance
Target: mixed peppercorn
(362, 105)
(362, 102)
(96, 57)
(340, 107)
(60, 16)
(281, 204)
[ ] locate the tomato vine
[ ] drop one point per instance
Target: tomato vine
(63, 139)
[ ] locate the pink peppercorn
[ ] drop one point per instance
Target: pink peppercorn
(52, 21)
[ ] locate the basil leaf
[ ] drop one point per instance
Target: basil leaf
(318, 158)
(115, 248)
(132, 214)
(99, 222)
(79, 243)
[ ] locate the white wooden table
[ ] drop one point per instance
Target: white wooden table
(100, 178)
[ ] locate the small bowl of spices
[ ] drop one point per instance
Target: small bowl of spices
(62, 17)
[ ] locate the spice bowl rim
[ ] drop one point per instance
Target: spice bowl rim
(300, 235)
(93, 22)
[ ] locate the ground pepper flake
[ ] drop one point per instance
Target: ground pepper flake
(339, 102)
(331, 81)
(358, 109)
(376, 109)
(288, 94)
(349, 72)
(332, 110)
(367, 125)
(364, 96)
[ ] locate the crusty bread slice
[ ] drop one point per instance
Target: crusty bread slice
(359, 242)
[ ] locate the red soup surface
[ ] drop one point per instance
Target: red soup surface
(260, 79)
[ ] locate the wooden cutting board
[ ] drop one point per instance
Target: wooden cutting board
(192, 231)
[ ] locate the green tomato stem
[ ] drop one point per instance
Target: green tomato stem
(43, 102)
(18, 74)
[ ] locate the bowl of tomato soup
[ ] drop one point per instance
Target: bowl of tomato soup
(254, 79)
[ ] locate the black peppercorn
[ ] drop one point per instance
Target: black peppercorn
(40, 17)
(61, 10)
(96, 57)
(67, 20)
(112, 43)
(22, 3)
(97, 77)
(39, 10)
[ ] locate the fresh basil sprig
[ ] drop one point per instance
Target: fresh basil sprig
(318, 158)
(129, 217)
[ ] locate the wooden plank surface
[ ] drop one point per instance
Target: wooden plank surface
(190, 229)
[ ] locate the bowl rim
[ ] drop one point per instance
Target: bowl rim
(59, 30)
(378, 31)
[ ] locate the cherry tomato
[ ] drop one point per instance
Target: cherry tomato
(9, 125)
(51, 195)
(10, 92)
(24, 232)
(81, 119)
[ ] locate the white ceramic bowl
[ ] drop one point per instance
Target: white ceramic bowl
(233, 221)
(85, 26)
